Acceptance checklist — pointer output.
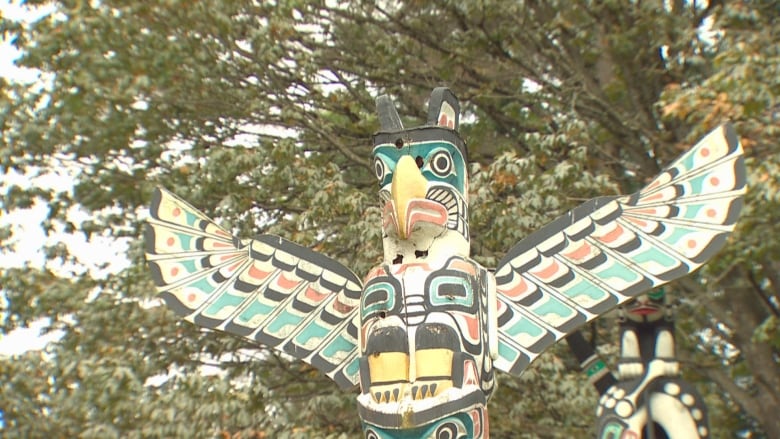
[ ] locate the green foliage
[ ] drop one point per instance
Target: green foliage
(260, 114)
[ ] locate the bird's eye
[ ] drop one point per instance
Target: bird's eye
(441, 163)
(379, 169)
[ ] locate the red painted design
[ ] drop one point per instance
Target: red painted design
(612, 235)
(469, 373)
(422, 210)
(191, 297)
(314, 295)
(461, 265)
(176, 212)
(637, 221)
(517, 291)
(257, 274)
(222, 233)
(170, 241)
(287, 284)
(401, 268)
(691, 243)
(580, 252)
(714, 181)
(476, 422)
(548, 271)
(375, 272)
(174, 271)
(646, 211)
(711, 213)
(342, 307)
(221, 244)
(705, 152)
(658, 196)
(653, 185)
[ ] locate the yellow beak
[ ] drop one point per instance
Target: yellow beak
(408, 184)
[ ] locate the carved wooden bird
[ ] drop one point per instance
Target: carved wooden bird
(423, 333)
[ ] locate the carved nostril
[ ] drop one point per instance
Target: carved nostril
(419, 161)
(399, 143)
(398, 259)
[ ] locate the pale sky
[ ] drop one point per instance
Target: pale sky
(29, 237)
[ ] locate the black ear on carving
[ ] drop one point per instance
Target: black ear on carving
(444, 109)
(388, 116)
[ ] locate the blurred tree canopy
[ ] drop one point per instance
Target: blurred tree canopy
(260, 114)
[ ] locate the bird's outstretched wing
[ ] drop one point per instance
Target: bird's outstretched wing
(611, 249)
(268, 290)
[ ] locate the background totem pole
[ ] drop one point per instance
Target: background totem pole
(648, 399)
(423, 333)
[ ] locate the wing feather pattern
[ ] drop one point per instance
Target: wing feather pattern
(268, 290)
(611, 249)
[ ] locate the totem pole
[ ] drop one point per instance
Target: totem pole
(424, 332)
(648, 399)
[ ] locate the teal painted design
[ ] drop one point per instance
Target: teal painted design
(457, 426)
(312, 330)
(223, 301)
(585, 288)
(525, 327)
(696, 184)
(439, 299)
(203, 285)
(373, 295)
(191, 218)
(688, 161)
(678, 233)
(612, 430)
(390, 155)
(553, 306)
(616, 270)
(189, 265)
(352, 368)
(656, 255)
(338, 345)
(597, 367)
(256, 308)
(691, 211)
(185, 240)
(507, 352)
(285, 318)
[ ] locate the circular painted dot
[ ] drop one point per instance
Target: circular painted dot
(705, 152)
(672, 388)
(176, 211)
(623, 409)
(174, 271)
(170, 241)
(619, 393)
(697, 414)
(191, 297)
(711, 213)
(691, 243)
(703, 431)
(610, 403)
(687, 399)
(714, 181)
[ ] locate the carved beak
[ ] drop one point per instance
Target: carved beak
(408, 184)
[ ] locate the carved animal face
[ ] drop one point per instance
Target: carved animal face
(650, 307)
(423, 182)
